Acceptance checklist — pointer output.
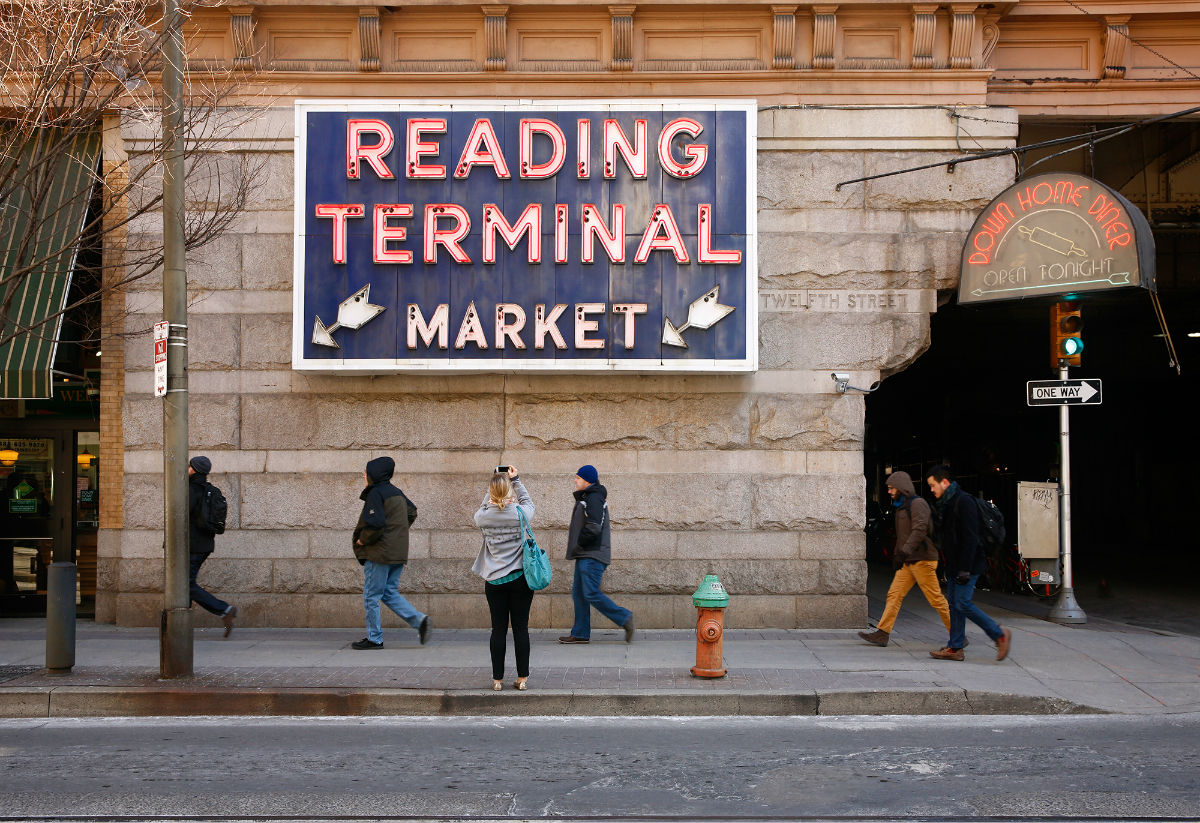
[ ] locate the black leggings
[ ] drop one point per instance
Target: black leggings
(509, 600)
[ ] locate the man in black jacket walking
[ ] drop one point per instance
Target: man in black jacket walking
(960, 523)
(589, 544)
(201, 542)
(381, 547)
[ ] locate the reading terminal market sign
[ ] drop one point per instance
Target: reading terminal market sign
(507, 236)
(1055, 234)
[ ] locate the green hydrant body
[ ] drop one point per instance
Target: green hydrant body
(710, 601)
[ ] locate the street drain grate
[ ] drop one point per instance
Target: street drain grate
(13, 672)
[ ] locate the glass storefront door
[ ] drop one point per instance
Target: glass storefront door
(26, 521)
(49, 511)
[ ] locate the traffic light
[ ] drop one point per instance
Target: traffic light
(1066, 325)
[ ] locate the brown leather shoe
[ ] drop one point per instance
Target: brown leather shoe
(570, 638)
(1003, 644)
(878, 637)
(947, 654)
(228, 619)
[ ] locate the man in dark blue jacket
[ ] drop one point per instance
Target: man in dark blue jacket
(381, 547)
(589, 544)
(958, 514)
(201, 542)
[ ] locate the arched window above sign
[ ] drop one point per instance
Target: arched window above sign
(1054, 234)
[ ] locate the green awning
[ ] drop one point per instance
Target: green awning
(41, 214)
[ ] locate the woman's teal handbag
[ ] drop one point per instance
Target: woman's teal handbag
(537, 564)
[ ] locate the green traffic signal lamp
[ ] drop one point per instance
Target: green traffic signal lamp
(1066, 325)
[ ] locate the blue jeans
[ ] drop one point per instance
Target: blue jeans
(200, 595)
(380, 581)
(585, 592)
(961, 607)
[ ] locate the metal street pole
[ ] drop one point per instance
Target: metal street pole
(1066, 609)
(61, 577)
(175, 633)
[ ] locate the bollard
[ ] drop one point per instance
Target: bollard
(60, 618)
(710, 601)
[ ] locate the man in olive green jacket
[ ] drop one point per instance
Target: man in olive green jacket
(915, 558)
(381, 546)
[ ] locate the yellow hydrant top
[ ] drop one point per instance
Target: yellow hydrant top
(711, 594)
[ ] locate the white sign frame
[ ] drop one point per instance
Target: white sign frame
(1088, 388)
(301, 323)
(162, 331)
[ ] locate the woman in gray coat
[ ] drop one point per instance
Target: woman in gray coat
(500, 564)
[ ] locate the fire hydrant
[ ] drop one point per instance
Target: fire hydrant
(710, 601)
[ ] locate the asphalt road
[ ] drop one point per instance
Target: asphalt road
(1105, 766)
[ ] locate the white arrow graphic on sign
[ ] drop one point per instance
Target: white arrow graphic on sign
(1120, 279)
(353, 313)
(1086, 392)
(702, 314)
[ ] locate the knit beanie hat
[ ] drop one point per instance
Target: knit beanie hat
(589, 474)
(201, 464)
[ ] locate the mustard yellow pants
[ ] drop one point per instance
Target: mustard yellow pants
(923, 573)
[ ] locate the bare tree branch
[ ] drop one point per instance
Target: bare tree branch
(66, 66)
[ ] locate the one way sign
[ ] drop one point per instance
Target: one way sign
(1064, 392)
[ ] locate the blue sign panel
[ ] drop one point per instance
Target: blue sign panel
(500, 236)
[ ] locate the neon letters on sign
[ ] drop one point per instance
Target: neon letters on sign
(495, 236)
(1055, 234)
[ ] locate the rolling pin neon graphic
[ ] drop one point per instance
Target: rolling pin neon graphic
(1052, 241)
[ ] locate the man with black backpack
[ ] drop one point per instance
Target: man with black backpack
(960, 529)
(206, 519)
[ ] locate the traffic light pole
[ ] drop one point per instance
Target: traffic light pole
(1066, 609)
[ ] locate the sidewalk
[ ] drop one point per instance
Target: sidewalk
(1100, 667)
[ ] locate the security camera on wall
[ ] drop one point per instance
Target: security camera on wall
(841, 383)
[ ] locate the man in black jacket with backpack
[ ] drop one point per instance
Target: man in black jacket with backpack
(202, 538)
(958, 515)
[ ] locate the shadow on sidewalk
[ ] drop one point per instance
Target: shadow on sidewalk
(1167, 605)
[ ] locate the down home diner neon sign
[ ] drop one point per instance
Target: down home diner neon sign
(505, 236)
(1053, 234)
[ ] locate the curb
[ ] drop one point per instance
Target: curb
(103, 701)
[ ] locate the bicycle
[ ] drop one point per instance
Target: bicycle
(1009, 572)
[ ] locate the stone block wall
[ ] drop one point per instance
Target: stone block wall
(757, 478)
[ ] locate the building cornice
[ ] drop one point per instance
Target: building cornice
(1099, 99)
(809, 87)
(855, 52)
(1139, 8)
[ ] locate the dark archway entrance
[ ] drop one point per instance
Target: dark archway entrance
(963, 401)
